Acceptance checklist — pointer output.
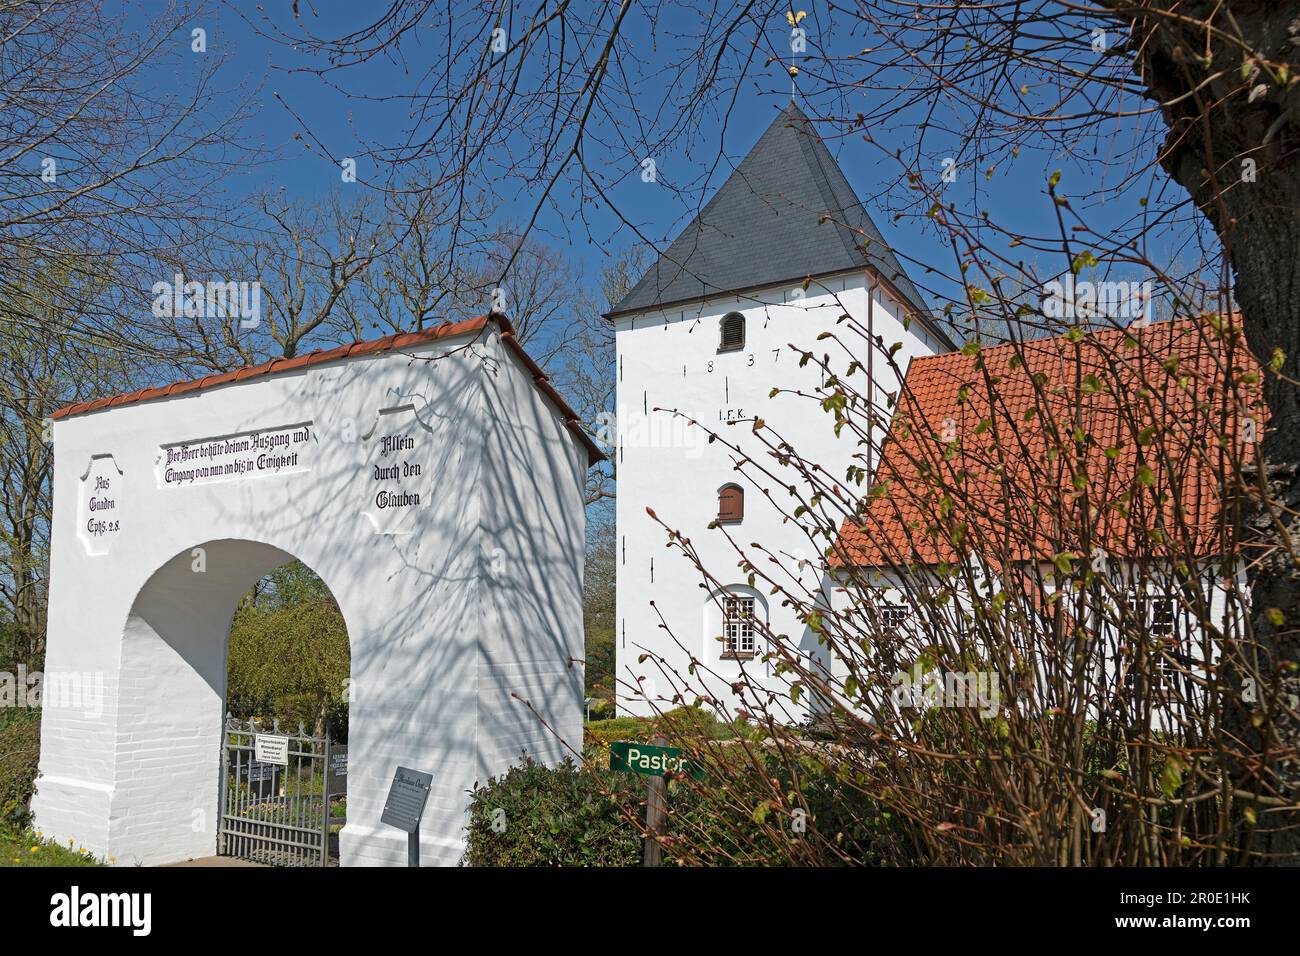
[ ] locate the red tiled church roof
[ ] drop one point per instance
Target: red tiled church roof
(1115, 432)
(390, 343)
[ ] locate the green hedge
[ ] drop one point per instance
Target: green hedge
(20, 749)
(576, 816)
(551, 817)
(599, 734)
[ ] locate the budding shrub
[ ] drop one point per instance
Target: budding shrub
(20, 748)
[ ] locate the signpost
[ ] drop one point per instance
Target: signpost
(656, 815)
(405, 805)
(655, 761)
(651, 760)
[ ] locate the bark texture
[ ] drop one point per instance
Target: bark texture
(1225, 74)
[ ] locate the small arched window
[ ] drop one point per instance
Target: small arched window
(731, 503)
(733, 333)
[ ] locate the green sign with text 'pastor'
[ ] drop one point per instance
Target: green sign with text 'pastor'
(650, 760)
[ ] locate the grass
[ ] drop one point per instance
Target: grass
(28, 849)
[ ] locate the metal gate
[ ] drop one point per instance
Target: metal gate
(276, 810)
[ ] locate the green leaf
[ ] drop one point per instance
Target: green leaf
(1171, 777)
(1082, 261)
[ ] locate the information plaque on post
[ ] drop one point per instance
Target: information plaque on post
(405, 805)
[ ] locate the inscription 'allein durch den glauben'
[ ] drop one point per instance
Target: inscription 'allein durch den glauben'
(398, 470)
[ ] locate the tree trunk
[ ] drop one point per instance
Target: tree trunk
(1218, 126)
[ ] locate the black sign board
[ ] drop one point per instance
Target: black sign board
(263, 778)
(338, 770)
(406, 799)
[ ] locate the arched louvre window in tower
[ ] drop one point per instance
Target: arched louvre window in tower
(732, 333)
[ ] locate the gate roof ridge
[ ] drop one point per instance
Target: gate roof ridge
(389, 343)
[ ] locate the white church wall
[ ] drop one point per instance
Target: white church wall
(671, 360)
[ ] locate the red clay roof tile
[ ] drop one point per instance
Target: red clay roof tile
(1004, 477)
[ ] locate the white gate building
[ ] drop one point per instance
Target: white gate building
(433, 480)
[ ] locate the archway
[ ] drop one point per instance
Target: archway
(176, 642)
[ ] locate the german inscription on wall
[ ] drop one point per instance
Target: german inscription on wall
(397, 485)
(284, 450)
(99, 505)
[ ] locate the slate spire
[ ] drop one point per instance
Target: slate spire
(785, 213)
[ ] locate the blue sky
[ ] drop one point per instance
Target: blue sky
(1015, 196)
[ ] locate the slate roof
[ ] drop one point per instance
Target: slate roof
(1008, 477)
(389, 343)
(784, 214)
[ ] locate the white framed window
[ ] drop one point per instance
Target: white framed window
(1162, 617)
(1157, 617)
(1156, 614)
(892, 617)
(738, 625)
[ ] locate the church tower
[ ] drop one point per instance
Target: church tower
(707, 332)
